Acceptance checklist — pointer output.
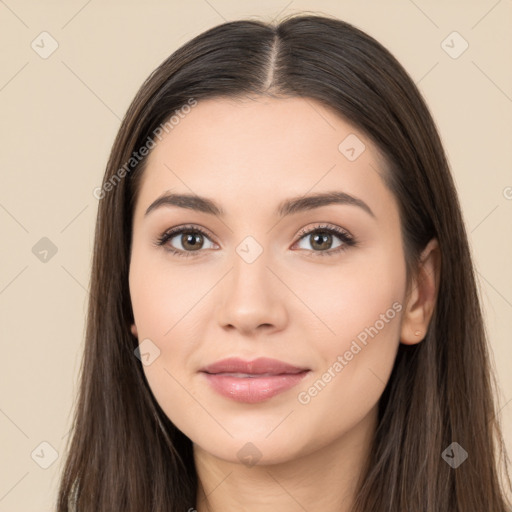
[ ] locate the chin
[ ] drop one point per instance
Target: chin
(251, 446)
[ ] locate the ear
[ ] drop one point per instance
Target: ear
(422, 295)
(134, 330)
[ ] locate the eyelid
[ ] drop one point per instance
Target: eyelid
(324, 226)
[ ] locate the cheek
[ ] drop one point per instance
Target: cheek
(362, 310)
(165, 301)
(161, 294)
(345, 303)
(160, 301)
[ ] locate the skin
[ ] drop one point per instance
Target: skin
(290, 303)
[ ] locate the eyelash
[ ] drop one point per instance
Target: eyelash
(347, 239)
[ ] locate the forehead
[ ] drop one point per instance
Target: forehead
(249, 148)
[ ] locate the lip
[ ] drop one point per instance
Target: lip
(252, 381)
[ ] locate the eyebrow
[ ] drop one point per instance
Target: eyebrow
(286, 207)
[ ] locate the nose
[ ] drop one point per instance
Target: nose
(251, 297)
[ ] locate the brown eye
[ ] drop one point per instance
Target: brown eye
(185, 241)
(322, 240)
(191, 241)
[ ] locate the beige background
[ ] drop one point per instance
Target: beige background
(59, 118)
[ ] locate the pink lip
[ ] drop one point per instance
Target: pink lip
(268, 378)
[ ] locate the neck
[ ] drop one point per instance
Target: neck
(325, 479)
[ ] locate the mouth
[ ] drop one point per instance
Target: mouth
(252, 381)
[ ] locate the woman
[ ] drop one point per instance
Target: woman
(283, 307)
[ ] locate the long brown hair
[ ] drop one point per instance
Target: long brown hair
(125, 454)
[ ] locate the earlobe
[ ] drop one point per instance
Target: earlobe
(422, 297)
(134, 330)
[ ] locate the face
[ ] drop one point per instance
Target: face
(261, 270)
